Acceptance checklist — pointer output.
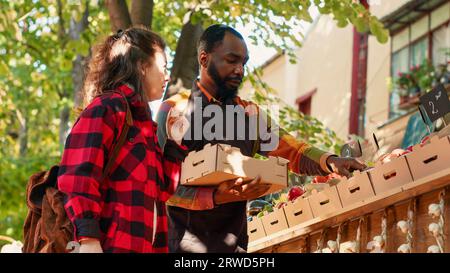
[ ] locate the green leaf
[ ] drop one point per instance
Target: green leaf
(377, 29)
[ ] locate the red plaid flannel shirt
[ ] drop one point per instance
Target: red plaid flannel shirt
(126, 212)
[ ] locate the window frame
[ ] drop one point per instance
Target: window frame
(428, 35)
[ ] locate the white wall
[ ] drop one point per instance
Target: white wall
(378, 70)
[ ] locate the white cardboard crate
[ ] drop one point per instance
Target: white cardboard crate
(430, 157)
(325, 202)
(220, 162)
(391, 175)
(298, 211)
(355, 189)
(274, 221)
(255, 229)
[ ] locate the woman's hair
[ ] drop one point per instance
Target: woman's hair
(117, 61)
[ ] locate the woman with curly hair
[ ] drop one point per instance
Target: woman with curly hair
(122, 210)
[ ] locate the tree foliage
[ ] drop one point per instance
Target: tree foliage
(44, 46)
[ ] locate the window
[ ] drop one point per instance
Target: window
(305, 106)
(400, 64)
(419, 52)
(428, 38)
(304, 102)
(441, 46)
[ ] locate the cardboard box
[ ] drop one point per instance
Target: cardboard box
(298, 212)
(429, 158)
(220, 162)
(255, 229)
(325, 202)
(274, 221)
(391, 175)
(355, 189)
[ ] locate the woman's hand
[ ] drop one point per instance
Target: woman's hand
(90, 246)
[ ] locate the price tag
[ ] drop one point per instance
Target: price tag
(436, 103)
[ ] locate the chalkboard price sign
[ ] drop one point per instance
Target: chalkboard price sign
(436, 103)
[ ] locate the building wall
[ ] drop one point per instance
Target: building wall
(378, 70)
(280, 75)
(323, 62)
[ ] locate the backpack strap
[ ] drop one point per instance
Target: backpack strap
(123, 136)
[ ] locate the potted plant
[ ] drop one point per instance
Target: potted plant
(424, 76)
(415, 75)
(442, 74)
(403, 85)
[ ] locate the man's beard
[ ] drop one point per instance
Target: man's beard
(223, 92)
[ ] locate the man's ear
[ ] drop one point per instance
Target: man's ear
(203, 59)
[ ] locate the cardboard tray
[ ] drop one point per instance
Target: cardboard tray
(220, 162)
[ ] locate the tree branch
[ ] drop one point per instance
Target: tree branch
(76, 28)
(119, 16)
(142, 12)
(185, 64)
(61, 30)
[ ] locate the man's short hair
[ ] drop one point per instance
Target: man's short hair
(213, 36)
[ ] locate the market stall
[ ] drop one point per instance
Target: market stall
(399, 205)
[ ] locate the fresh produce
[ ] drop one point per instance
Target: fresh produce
(295, 192)
(257, 206)
(385, 158)
(268, 208)
(326, 179)
(390, 156)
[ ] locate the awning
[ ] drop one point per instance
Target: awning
(409, 13)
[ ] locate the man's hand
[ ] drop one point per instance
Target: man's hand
(344, 165)
(238, 190)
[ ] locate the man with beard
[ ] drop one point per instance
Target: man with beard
(213, 219)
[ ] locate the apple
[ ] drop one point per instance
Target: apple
(295, 192)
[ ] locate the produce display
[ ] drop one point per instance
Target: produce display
(324, 194)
